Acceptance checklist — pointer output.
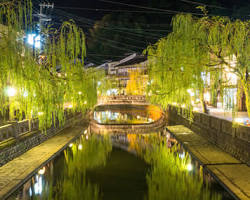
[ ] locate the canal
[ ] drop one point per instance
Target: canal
(151, 166)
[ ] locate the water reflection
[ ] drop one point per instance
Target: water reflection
(67, 180)
(86, 170)
(173, 174)
(126, 114)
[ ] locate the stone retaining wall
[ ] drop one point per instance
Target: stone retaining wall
(234, 140)
(14, 147)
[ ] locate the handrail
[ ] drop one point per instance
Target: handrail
(17, 128)
(121, 99)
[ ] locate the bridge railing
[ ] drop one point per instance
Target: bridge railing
(6, 132)
(128, 128)
(15, 129)
(122, 99)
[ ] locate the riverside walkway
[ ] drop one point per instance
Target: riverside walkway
(16, 172)
(232, 173)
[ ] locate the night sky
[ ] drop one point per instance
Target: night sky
(112, 41)
(74, 6)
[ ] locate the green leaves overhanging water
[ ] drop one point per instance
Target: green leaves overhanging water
(44, 80)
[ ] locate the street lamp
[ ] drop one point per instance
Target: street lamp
(11, 91)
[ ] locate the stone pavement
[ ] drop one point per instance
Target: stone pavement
(233, 174)
(225, 114)
(15, 173)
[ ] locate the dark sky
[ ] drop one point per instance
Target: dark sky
(156, 24)
(74, 6)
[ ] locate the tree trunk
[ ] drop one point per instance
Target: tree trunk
(246, 87)
(203, 103)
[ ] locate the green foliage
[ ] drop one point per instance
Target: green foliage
(42, 91)
(196, 45)
(71, 182)
(93, 154)
(170, 179)
(170, 176)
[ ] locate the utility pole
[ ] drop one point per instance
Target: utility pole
(42, 17)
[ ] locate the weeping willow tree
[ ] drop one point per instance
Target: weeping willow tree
(38, 83)
(170, 176)
(198, 48)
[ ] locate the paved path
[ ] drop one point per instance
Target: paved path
(230, 171)
(226, 114)
(13, 173)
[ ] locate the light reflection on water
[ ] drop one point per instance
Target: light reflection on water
(126, 114)
(78, 172)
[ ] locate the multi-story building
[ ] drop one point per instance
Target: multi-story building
(123, 69)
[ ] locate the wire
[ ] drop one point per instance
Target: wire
(122, 46)
(116, 47)
(149, 8)
(135, 29)
(90, 22)
(163, 10)
(110, 10)
(114, 41)
(202, 4)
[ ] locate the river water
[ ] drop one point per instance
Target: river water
(122, 167)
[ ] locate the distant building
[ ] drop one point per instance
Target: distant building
(124, 68)
(233, 95)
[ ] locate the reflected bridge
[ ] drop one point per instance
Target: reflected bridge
(127, 119)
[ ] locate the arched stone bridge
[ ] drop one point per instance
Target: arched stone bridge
(154, 126)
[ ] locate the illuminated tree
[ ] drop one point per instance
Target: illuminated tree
(136, 83)
(38, 88)
(195, 48)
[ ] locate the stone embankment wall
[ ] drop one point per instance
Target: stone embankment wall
(234, 140)
(19, 137)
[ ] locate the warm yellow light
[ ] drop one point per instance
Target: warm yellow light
(239, 120)
(41, 171)
(183, 106)
(189, 167)
(86, 131)
(71, 145)
(80, 93)
(11, 91)
(195, 109)
(40, 113)
(174, 103)
(85, 102)
(25, 94)
(190, 91)
(207, 96)
(80, 146)
(68, 105)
